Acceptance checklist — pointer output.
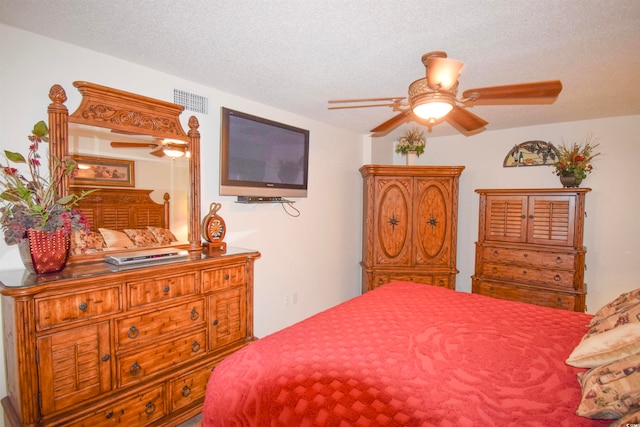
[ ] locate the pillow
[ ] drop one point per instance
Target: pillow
(115, 239)
(611, 390)
(606, 347)
(85, 242)
(142, 238)
(625, 299)
(164, 236)
(629, 419)
(629, 313)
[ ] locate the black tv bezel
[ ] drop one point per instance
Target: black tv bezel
(242, 188)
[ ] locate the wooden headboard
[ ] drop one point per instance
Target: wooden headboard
(122, 208)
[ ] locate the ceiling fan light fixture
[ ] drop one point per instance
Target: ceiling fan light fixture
(432, 109)
(174, 150)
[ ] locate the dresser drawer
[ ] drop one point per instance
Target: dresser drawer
(532, 296)
(559, 278)
(160, 289)
(152, 325)
(143, 363)
(427, 279)
(189, 388)
(555, 260)
(61, 309)
(221, 278)
(140, 409)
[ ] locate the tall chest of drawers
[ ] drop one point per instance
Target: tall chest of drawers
(530, 246)
(95, 347)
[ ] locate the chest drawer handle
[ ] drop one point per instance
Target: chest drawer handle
(226, 276)
(109, 415)
(496, 253)
(149, 408)
(166, 289)
(135, 369)
(557, 278)
(83, 306)
(559, 260)
(195, 347)
(524, 272)
(525, 255)
(106, 358)
(186, 391)
(494, 270)
(215, 322)
(133, 333)
(194, 314)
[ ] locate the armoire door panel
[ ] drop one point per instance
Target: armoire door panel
(551, 220)
(432, 223)
(506, 221)
(393, 221)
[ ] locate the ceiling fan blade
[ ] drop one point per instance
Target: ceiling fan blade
(525, 93)
(120, 144)
(392, 123)
(157, 152)
(464, 120)
(443, 73)
(373, 102)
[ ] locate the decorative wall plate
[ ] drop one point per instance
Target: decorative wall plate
(531, 153)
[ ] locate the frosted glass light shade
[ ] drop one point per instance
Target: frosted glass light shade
(432, 110)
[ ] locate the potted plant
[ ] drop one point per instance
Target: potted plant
(411, 143)
(573, 163)
(31, 213)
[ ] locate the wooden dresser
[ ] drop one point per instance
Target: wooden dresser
(93, 346)
(530, 246)
(410, 224)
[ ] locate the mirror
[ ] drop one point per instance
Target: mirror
(125, 136)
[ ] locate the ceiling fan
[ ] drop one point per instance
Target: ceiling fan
(158, 146)
(432, 99)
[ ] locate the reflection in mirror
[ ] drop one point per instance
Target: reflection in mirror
(152, 169)
(148, 183)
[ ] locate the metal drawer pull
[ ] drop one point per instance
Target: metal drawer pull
(496, 253)
(133, 332)
(109, 415)
(83, 306)
(195, 347)
(557, 278)
(135, 369)
(194, 314)
(150, 408)
(494, 270)
(106, 358)
(186, 391)
(524, 272)
(525, 255)
(215, 322)
(226, 276)
(166, 288)
(559, 260)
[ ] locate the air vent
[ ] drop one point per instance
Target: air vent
(191, 101)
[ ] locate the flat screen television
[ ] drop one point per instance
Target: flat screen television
(260, 158)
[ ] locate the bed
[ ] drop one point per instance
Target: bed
(408, 354)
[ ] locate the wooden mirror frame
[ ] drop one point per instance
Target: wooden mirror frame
(114, 109)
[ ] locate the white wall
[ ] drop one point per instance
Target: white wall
(612, 229)
(315, 255)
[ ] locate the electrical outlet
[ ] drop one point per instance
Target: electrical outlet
(287, 299)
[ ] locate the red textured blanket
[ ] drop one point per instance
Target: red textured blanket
(407, 355)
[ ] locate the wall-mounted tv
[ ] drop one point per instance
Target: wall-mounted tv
(262, 158)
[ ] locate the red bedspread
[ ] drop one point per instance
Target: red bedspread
(407, 355)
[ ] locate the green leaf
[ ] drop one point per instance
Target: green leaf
(41, 130)
(14, 157)
(66, 199)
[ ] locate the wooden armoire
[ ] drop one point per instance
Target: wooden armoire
(530, 246)
(410, 224)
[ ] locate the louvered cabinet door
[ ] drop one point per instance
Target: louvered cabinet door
(229, 321)
(505, 218)
(551, 220)
(75, 365)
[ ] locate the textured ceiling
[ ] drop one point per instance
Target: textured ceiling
(296, 55)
